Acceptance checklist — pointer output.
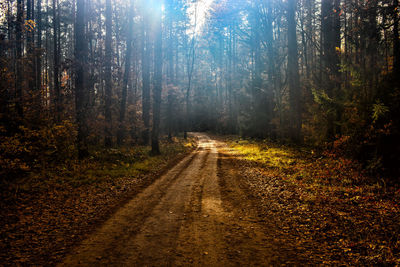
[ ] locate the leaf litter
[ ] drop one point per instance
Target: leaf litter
(41, 218)
(324, 206)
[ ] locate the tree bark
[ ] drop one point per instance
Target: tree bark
(30, 16)
(293, 74)
(396, 42)
(190, 69)
(56, 56)
(80, 80)
(145, 79)
(19, 43)
(158, 64)
(330, 35)
(108, 76)
(38, 67)
(125, 82)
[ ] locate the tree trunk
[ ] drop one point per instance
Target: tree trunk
(38, 67)
(267, 104)
(190, 68)
(30, 16)
(145, 80)
(108, 76)
(122, 111)
(260, 123)
(56, 55)
(158, 64)
(19, 43)
(330, 35)
(396, 42)
(293, 74)
(169, 42)
(80, 81)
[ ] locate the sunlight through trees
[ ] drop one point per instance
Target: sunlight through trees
(126, 72)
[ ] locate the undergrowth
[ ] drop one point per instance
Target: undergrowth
(49, 210)
(103, 165)
(329, 207)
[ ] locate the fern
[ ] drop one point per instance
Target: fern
(379, 109)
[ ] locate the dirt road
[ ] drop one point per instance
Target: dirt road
(196, 214)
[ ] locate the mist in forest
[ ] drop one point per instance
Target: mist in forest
(112, 73)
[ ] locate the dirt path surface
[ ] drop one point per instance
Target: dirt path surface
(196, 214)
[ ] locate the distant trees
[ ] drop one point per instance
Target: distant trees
(307, 70)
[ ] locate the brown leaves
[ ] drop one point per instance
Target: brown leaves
(40, 222)
(324, 206)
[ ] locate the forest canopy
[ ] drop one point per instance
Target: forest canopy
(76, 75)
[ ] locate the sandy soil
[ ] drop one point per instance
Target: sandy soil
(196, 214)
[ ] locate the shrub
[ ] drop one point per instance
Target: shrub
(30, 149)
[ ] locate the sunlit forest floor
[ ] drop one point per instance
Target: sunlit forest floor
(325, 206)
(47, 212)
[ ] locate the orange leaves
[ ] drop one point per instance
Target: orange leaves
(29, 25)
(42, 218)
(323, 210)
(64, 79)
(388, 67)
(33, 148)
(336, 11)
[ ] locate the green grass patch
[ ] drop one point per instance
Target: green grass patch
(105, 165)
(299, 165)
(302, 167)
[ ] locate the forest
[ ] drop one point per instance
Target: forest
(82, 74)
(89, 88)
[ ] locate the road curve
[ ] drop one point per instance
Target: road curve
(179, 220)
